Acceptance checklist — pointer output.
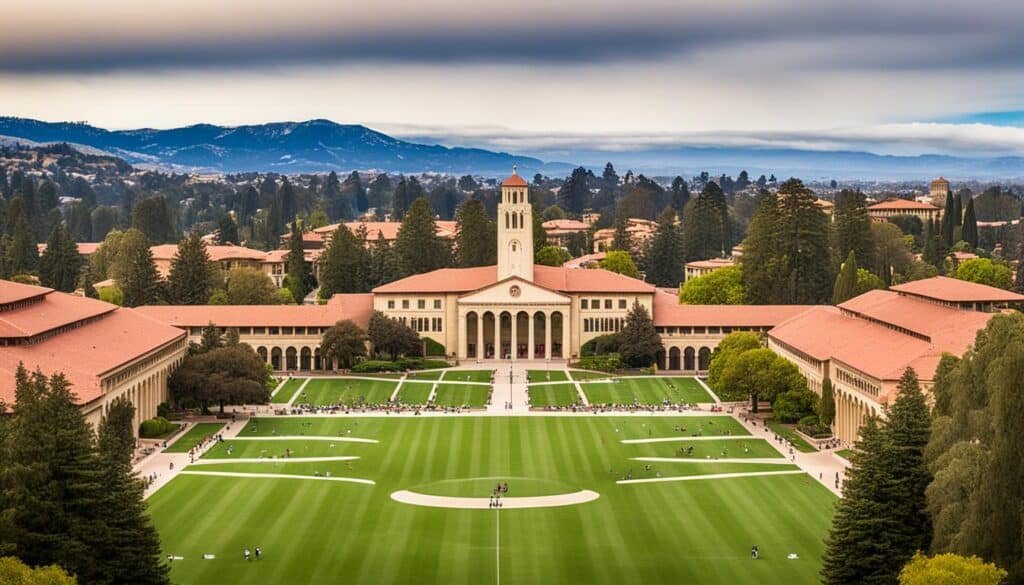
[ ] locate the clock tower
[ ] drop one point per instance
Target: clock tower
(515, 229)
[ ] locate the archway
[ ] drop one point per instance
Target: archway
(292, 358)
(275, 358)
(505, 335)
(673, 358)
(305, 359)
(262, 352)
(689, 361)
(490, 335)
(472, 343)
(522, 335)
(703, 359)
(539, 334)
(317, 365)
(557, 327)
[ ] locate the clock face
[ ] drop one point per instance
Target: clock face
(514, 290)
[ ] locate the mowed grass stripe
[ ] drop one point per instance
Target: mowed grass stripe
(285, 393)
(193, 436)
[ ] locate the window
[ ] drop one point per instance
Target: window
(259, 330)
(405, 303)
(583, 303)
(622, 303)
(595, 303)
(286, 331)
(421, 304)
(607, 303)
(391, 304)
(274, 331)
(437, 303)
(436, 323)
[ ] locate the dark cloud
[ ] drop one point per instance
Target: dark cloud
(911, 34)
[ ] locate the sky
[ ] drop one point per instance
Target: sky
(887, 76)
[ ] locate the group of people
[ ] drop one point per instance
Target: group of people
(198, 448)
(249, 555)
(499, 490)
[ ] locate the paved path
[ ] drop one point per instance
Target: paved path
(298, 392)
(772, 461)
(700, 438)
(579, 389)
(279, 476)
(710, 476)
(164, 466)
(507, 503)
(206, 461)
(342, 439)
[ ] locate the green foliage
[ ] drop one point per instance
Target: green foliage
(600, 345)
(15, 572)
(60, 264)
(794, 405)
(418, 247)
(950, 569)
(476, 235)
(248, 286)
(639, 342)
(134, 270)
(156, 427)
(227, 231)
(846, 283)
(723, 286)
(621, 262)
(985, 271)
(611, 362)
(345, 265)
(552, 256)
(730, 347)
(153, 217)
(192, 276)
(970, 230)
(344, 342)
(867, 281)
(298, 273)
(112, 294)
(400, 365)
(827, 405)
(893, 255)
(391, 337)
(234, 374)
(786, 258)
(949, 221)
(706, 225)
(433, 348)
(663, 256)
(760, 374)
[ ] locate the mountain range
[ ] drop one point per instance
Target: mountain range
(284, 147)
(323, 145)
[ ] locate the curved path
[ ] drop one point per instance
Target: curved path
(711, 476)
(418, 499)
(764, 460)
(699, 438)
(277, 476)
(273, 460)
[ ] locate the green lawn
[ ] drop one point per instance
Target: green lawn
(646, 391)
(564, 394)
(432, 375)
(193, 436)
(483, 376)
(790, 435)
(332, 532)
(350, 391)
(586, 375)
(414, 393)
(285, 393)
(472, 395)
(845, 453)
(547, 375)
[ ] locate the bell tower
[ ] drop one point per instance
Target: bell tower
(515, 229)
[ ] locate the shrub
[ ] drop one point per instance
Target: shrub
(810, 426)
(112, 294)
(600, 345)
(433, 348)
(163, 410)
(601, 363)
(793, 405)
(369, 366)
(156, 427)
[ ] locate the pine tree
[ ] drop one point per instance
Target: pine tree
(908, 425)
(574, 196)
(192, 276)
(622, 240)
(418, 247)
(930, 252)
(133, 553)
(354, 191)
(858, 549)
(227, 231)
(852, 227)
(22, 252)
(639, 342)
(345, 265)
(827, 406)
(846, 283)
(1018, 281)
(948, 221)
(209, 339)
(60, 264)
(87, 286)
(970, 229)
(384, 266)
(680, 195)
(958, 209)
(663, 256)
(296, 269)
(286, 199)
(705, 224)
(134, 270)
(476, 235)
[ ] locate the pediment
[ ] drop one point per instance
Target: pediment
(513, 291)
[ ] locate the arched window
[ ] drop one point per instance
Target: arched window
(506, 220)
(514, 246)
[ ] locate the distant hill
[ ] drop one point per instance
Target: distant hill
(284, 147)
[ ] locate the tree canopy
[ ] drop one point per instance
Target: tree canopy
(723, 286)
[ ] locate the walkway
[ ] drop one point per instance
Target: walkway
(710, 476)
(160, 462)
(418, 499)
(279, 476)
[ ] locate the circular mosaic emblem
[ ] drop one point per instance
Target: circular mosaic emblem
(514, 290)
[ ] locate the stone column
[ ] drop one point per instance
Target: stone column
(565, 338)
(514, 349)
(480, 335)
(529, 349)
(463, 337)
(547, 335)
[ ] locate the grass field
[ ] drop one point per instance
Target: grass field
(471, 395)
(431, 375)
(330, 532)
(414, 393)
(587, 375)
(645, 391)
(483, 376)
(285, 393)
(350, 391)
(547, 376)
(193, 436)
(845, 453)
(564, 394)
(790, 435)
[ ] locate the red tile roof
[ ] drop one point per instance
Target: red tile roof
(556, 278)
(84, 248)
(585, 259)
(895, 204)
(389, 229)
(13, 292)
(952, 290)
(216, 253)
(357, 307)
(565, 225)
(53, 311)
(514, 181)
(668, 312)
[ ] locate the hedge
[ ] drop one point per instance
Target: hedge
(602, 363)
(156, 427)
(371, 366)
(433, 348)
